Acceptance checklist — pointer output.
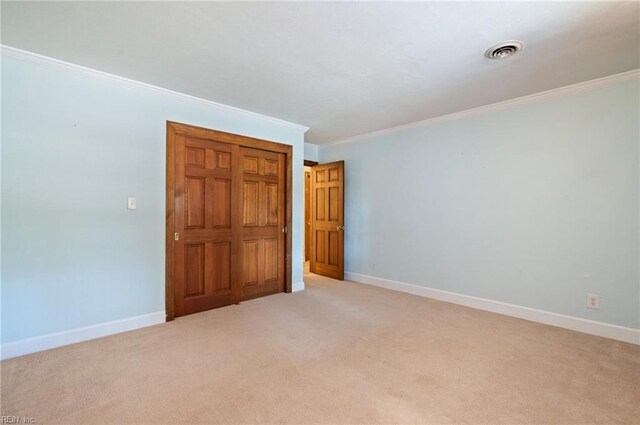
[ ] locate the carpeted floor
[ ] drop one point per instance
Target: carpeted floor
(336, 353)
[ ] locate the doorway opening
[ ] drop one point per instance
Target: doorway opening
(307, 214)
(324, 219)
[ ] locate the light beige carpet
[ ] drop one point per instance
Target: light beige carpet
(335, 353)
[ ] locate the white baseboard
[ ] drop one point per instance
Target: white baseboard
(592, 327)
(58, 339)
(297, 286)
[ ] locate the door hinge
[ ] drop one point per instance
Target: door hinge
(284, 229)
(176, 236)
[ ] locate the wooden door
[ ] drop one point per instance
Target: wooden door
(327, 220)
(307, 215)
(206, 201)
(228, 202)
(263, 222)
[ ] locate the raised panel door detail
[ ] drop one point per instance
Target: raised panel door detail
(194, 270)
(320, 204)
(221, 271)
(321, 176)
(270, 167)
(334, 174)
(250, 165)
(320, 246)
(271, 259)
(250, 262)
(195, 157)
(219, 202)
(223, 160)
(333, 248)
(334, 204)
(194, 202)
(250, 203)
(271, 210)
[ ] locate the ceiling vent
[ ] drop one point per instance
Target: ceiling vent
(504, 50)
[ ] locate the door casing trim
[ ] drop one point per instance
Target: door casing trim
(174, 129)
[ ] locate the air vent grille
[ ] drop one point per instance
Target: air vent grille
(504, 50)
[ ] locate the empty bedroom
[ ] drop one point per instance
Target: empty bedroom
(320, 212)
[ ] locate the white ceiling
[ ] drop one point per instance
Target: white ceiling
(342, 69)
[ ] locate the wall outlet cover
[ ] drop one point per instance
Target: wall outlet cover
(593, 301)
(132, 203)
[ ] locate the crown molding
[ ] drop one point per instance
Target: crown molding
(59, 64)
(561, 91)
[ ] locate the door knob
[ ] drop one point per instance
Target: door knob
(340, 228)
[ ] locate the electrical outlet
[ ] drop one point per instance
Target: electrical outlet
(593, 301)
(132, 203)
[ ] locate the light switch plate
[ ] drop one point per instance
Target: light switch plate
(131, 203)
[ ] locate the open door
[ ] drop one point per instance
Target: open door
(307, 215)
(327, 220)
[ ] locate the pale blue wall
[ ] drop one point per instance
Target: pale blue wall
(311, 152)
(74, 148)
(535, 205)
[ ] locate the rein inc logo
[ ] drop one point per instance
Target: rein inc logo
(12, 419)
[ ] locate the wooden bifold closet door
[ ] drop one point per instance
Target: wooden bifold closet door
(263, 204)
(229, 222)
(205, 202)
